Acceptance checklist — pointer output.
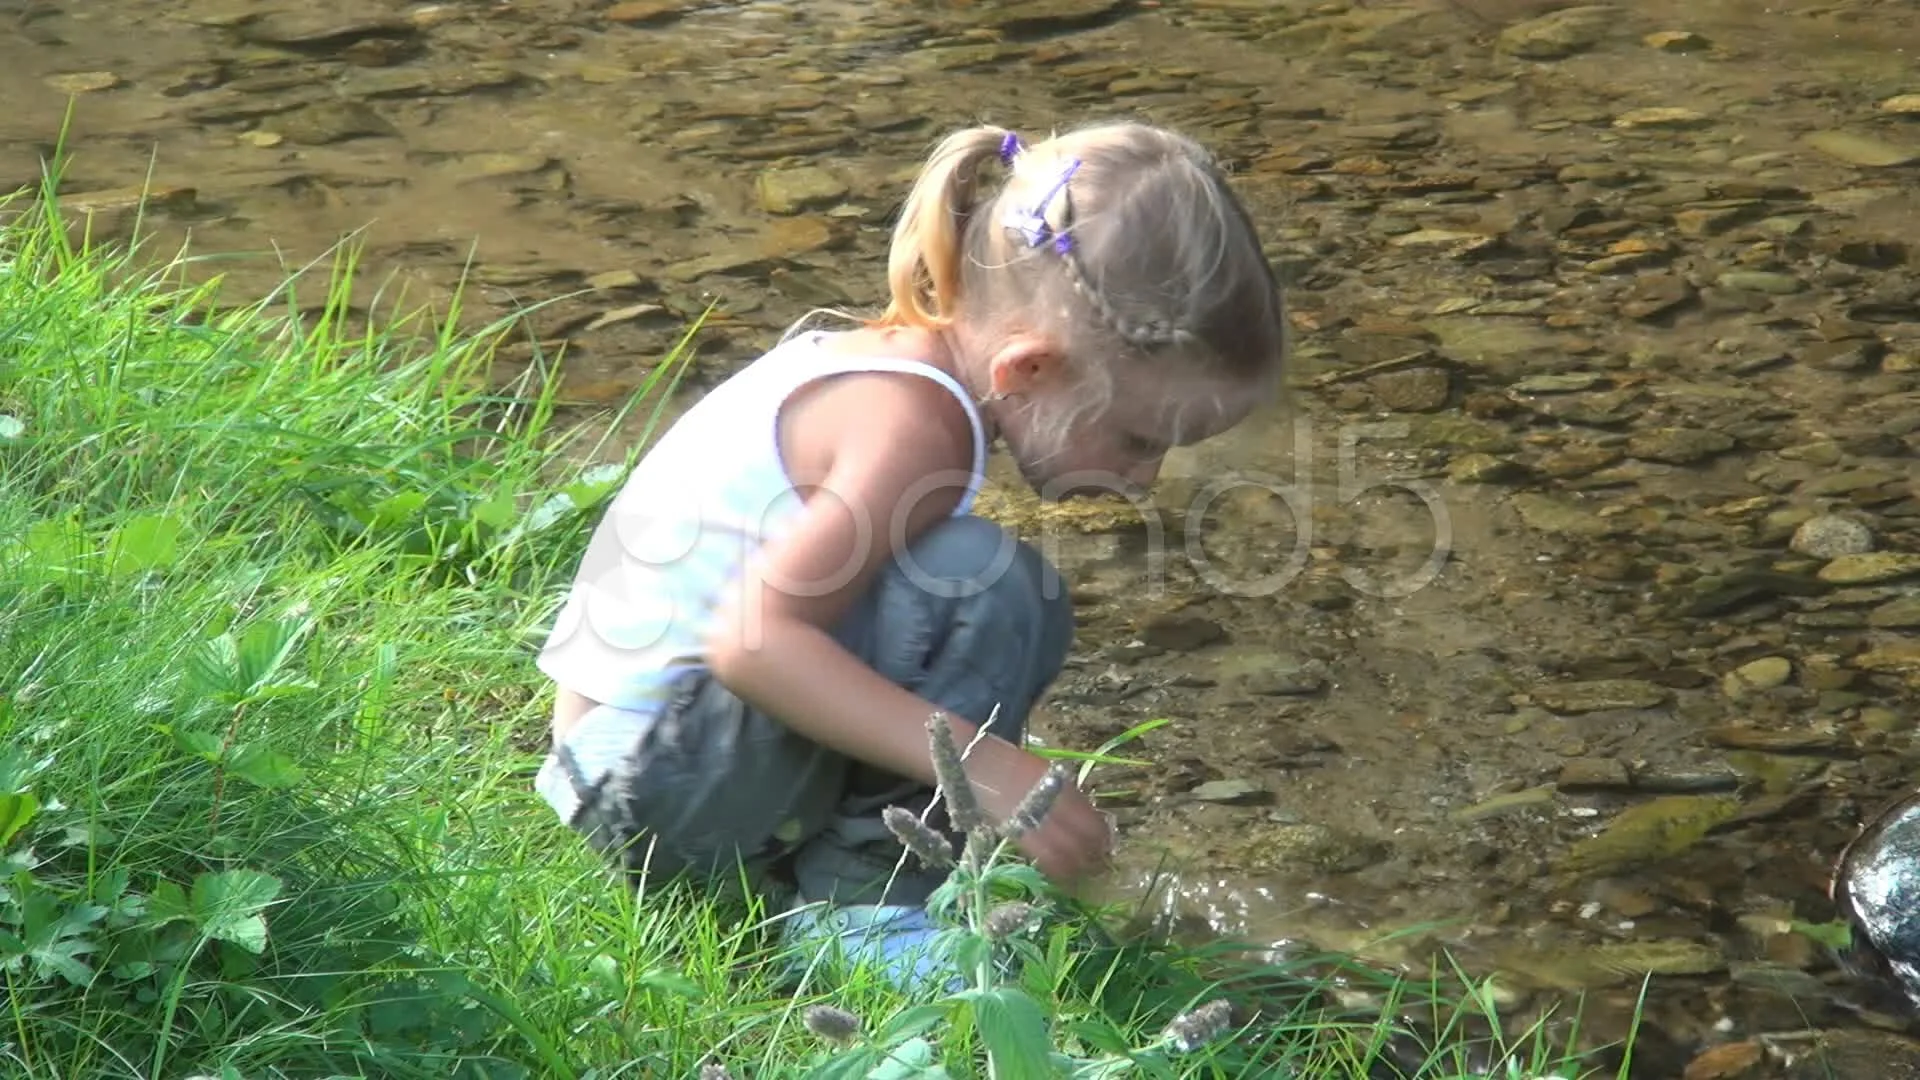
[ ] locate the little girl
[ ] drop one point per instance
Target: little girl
(791, 582)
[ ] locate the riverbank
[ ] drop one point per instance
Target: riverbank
(270, 585)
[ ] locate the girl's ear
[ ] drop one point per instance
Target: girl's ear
(1025, 364)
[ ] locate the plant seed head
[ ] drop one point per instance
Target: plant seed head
(831, 1023)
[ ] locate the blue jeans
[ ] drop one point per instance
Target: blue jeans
(970, 618)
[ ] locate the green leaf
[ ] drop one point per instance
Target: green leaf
(1015, 1031)
(15, 811)
(671, 982)
(168, 903)
(200, 744)
(850, 1064)
(227, 905)
(914, 1059)
(265, 767)
(912, 1021)
(495, 513)
(397, 509)
(264, 649)
(142, 543)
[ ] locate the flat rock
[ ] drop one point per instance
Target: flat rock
(1561, 33)
(1865, 151)
(1870, 568)
(1600, 695)
(1679, 446)
(789, 191)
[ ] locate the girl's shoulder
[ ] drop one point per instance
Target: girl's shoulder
(896, 393)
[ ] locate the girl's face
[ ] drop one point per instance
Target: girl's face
(1116, 450)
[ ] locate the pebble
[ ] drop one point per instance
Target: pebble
(1230, 792)
(84, 82)
(1561, 33)
(1757, 676)
(1870, 568)
(1662, 117)
(1862, 150)
(1899, 614)
(1601, 695)
(789, 191)
(1676, 41)
(1679, 446)
(1180, 631)
(1415, 390)
(1761, 281)
(1829, 536)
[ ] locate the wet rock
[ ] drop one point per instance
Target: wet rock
(1679, 446)
(1853, 1055)
(1870, 568)
(647, 12)
(1674, 117)
(1829, 536)
(1423, 389)
(1231, 793)
(494, 166)
(1761, 281)
(324, 30)
(1593, 774)
(1865, 151)
(1559, 517)
(1899, 614)
(1486, 469)
(1033, 18)
(1578, 967)
(1704, 221)
(1856, 355)
(1649, 832)
(1287, 678)
(1575, 460)
(1728, 1061)
(83, 82)
(1657, 295)
(1679, 41)
(789, 191)
(1458, 433)
(1284, 847)
(1181, 631)
(1767, 741)
(327, 122)
(1601, 695)
(1559, 34)
(1898, 657)
(1756, 676)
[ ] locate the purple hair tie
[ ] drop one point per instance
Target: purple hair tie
(1009, 146)
(1031, 221)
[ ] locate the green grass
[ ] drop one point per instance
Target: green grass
(269, 587)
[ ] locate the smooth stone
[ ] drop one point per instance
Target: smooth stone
(1829, 536)
(1870, 568)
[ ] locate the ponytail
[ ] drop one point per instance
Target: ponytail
(923, 265)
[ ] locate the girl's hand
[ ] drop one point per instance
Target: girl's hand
(1074, 840)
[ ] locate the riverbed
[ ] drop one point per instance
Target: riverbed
(1567, 611)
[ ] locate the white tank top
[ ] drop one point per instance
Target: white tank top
(700, 502)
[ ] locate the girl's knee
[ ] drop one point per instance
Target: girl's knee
(972, 559)
(968, 555)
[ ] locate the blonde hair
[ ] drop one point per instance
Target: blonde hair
(1160, 260)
